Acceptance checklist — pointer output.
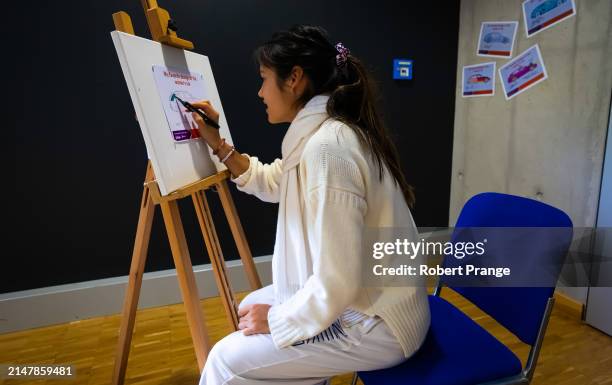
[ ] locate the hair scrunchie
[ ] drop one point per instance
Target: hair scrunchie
(342, 55)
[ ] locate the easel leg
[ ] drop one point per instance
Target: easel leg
(130, 304)
(186, 277)
(216, 256)
(238, 234)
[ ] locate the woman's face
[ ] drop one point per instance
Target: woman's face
(278, 96)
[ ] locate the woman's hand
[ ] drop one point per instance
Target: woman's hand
(208, 133)
(254, 319)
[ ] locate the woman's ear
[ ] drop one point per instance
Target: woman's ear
(295, 78)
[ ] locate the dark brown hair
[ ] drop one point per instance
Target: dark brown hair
(349, 86)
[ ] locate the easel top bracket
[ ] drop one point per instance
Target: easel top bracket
(163, 28)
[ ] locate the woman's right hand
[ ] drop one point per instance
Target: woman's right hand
(208, 133)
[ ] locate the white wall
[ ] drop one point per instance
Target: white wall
(548, 142)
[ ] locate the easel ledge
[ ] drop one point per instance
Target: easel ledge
(188, 190)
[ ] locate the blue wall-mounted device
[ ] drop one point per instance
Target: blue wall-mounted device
(402, 69)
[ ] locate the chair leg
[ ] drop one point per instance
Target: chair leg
(355, 377)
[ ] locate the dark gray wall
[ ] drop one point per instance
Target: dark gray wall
(73, 128)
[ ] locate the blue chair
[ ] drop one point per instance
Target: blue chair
(459, 351)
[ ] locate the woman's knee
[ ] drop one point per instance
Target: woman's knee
(227, 353)
(263, 295)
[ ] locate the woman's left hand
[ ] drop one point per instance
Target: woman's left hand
(254, 319)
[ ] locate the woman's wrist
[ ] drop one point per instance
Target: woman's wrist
(224, 151)
(216, 145)
(226, 157)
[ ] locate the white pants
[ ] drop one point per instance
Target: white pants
(254, 359)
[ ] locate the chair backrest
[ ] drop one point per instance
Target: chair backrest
(519, 309)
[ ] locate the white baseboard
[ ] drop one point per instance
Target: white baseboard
(65, 303)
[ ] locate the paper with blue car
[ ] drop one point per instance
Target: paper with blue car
(497, 38)
(543, 14)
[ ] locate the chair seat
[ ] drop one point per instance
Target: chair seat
(456, 351)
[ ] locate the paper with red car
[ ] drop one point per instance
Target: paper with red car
(523, 72)
(478, 80)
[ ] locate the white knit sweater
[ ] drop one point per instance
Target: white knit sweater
(329, 192)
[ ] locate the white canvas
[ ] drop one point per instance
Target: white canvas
(175, 164)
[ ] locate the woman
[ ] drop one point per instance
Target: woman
(339, 174)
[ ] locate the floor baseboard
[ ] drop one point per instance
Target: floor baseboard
(569, 305)
(65, 303)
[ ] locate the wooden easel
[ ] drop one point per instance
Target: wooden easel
(162, 30)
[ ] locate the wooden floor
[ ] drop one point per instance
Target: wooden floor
(162, 354)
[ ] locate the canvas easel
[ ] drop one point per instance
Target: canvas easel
(163, 30)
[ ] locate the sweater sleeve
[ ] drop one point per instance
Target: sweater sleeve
(261, 180)
(335, 209)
